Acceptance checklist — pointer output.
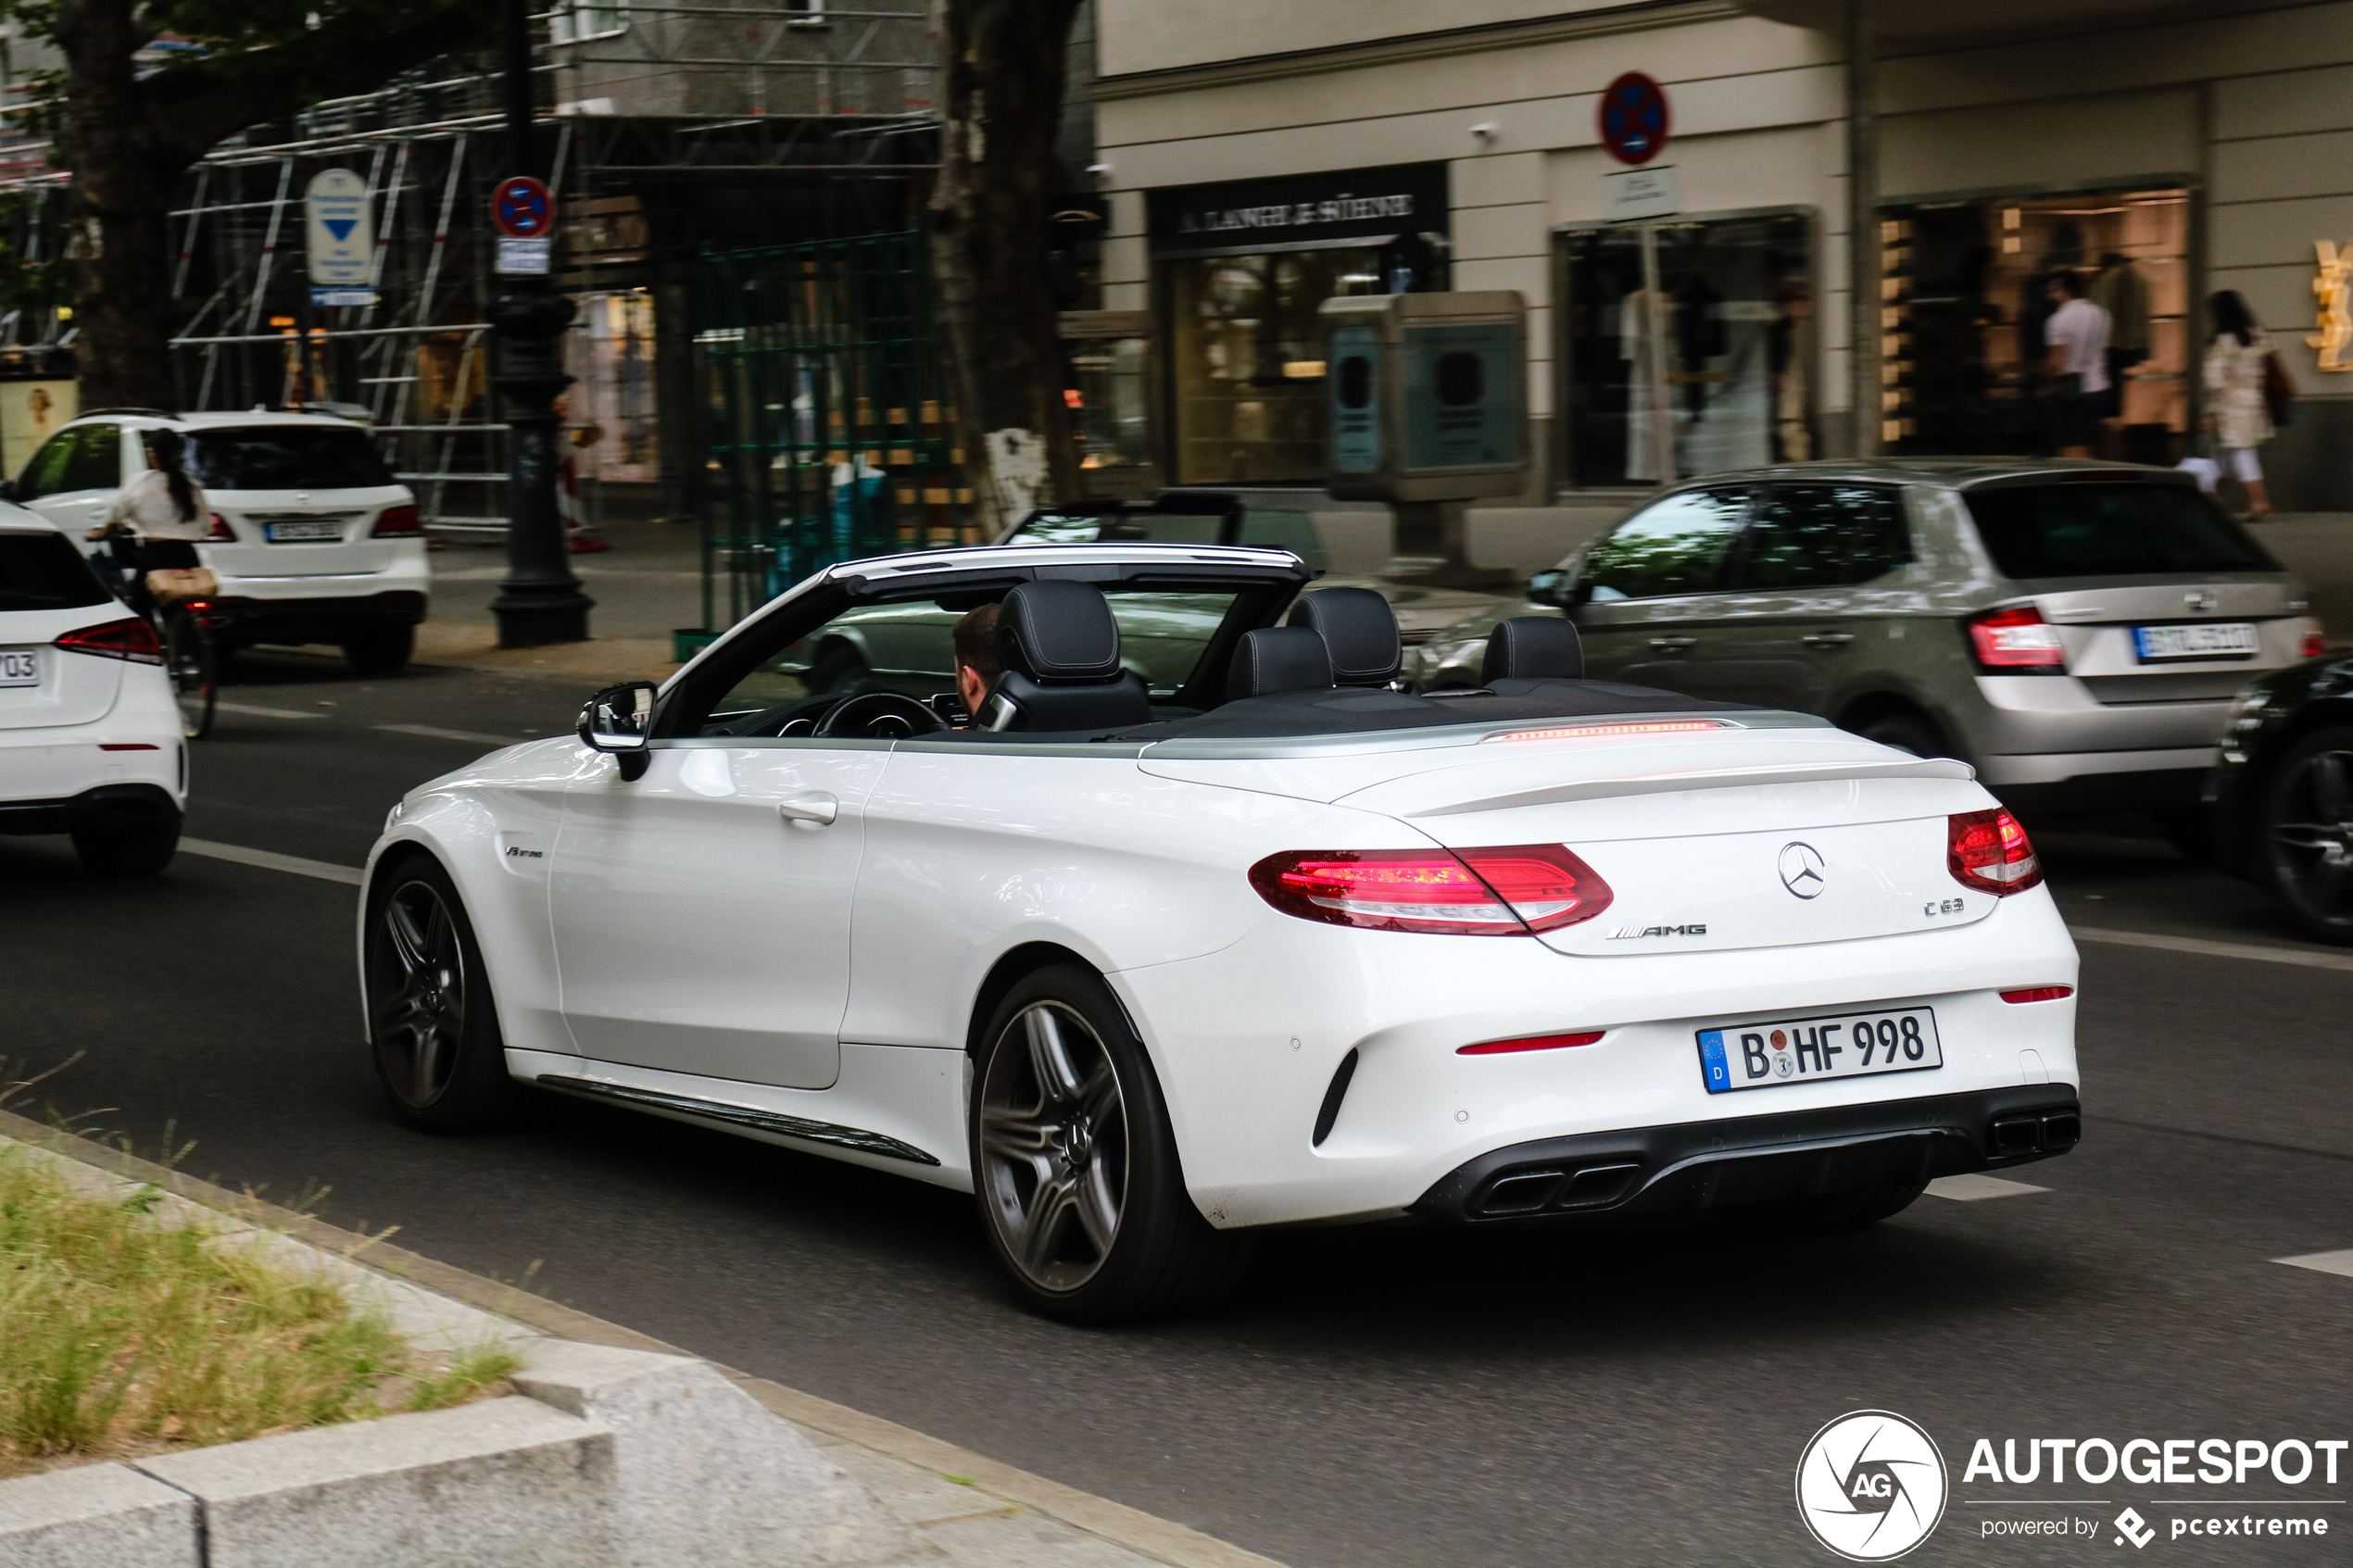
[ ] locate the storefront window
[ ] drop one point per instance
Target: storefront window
(610, 406)
(1716, 374)
(1111, 406)
(1968, 286)
(1248, 361)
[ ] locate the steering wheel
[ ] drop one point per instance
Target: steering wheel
(879, 716)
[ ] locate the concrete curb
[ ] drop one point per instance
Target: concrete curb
(809, 1479)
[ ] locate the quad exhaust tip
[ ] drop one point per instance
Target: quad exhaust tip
(1556, 1191)
(2048, 1132)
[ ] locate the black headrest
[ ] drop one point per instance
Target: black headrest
(1059, 633)
(1279, 659)
(1543, 647)
(1359, 631)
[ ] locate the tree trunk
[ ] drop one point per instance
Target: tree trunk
(1004, 62)
(125, 169)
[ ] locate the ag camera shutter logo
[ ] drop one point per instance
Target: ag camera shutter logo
(1871, 1485)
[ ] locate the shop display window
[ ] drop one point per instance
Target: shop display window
(609, 410)
(1726, 360)
(1247, 361)
(1966, 293)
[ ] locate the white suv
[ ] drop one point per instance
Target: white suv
(90, 740)
(312, 538)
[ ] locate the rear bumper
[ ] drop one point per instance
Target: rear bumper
(1702, 1165)
(323, 619)
(119, 807)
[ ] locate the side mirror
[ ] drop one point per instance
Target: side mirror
(7, 489)
(620, 720)
(1544, 588)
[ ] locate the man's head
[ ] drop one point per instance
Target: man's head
(2067, 283)
(977, 666)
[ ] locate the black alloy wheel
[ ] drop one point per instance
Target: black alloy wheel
(430, 1016)
(2308, 833)
(1075, 1166)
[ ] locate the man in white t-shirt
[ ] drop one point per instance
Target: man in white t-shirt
(2077, 333)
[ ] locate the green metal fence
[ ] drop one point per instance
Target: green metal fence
(826, 403)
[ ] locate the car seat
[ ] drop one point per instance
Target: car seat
(1527, 651)
(1279, 659)
(1059, 645)
(1359, 631)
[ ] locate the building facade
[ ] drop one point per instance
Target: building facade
(1262, 158)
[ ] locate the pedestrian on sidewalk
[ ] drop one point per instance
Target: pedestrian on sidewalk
(2238, 396)
(579, 535)
(2077, 339)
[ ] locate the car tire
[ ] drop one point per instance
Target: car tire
(1905, 732)
(433, 1024)
(2306, 833)
(119, 851)
(382, 650)
(1068, 1132)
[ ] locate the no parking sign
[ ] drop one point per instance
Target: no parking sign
(1633, 118)
(524, 212)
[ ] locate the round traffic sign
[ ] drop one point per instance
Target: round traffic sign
(522, 208)
(1633, 119)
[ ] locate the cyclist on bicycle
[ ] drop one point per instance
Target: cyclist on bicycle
(161, 514)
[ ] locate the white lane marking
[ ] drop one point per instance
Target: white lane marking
(258, 711)
(2211, 949)
(2326, 1262)
(433, 733)
(270, 859)
(1974, 1187)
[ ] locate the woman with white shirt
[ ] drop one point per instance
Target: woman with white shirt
(2238, 411)
(162, 509)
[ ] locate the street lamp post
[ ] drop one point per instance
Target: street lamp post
(539, 600)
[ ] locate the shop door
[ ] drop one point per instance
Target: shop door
(1697, 360)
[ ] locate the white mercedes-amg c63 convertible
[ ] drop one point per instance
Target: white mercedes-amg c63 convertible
(1153, 951)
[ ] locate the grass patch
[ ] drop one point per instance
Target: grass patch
(121, 1332)
(469, 1372)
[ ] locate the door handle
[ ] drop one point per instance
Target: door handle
(1827, 639)
(1674, 645)
(809, 810)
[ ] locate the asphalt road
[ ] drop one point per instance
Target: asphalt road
(1370, 1397)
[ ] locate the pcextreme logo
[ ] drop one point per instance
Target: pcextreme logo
(1871, 1485)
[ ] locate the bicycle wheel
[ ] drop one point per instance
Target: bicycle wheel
(187, 654)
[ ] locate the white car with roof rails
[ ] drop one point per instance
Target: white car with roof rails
(90, 731)
(311, 537)
(1148, 966)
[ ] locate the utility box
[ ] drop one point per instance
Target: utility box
(1427, 395)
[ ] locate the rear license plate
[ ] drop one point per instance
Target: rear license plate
(2228, 639)
(1845, 1045)
(328, 532)
(19, 666)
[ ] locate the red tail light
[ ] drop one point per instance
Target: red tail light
(133, 639)
(220, 533)
(1530, 1042)
(1988, 850)
(1507, 891)
(2040, 993)
(2016, 641)
(396, 522)
(2316, 642)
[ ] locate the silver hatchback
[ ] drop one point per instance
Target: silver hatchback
(2076, 630)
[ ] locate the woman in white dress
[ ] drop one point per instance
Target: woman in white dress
(2237, 410)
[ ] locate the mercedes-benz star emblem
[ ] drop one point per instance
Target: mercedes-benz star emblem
(1801, 868)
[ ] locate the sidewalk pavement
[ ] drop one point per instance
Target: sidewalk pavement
(972, 1512)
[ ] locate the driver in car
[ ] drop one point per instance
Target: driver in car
(977, 666)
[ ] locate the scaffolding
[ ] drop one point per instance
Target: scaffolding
(798, 92)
